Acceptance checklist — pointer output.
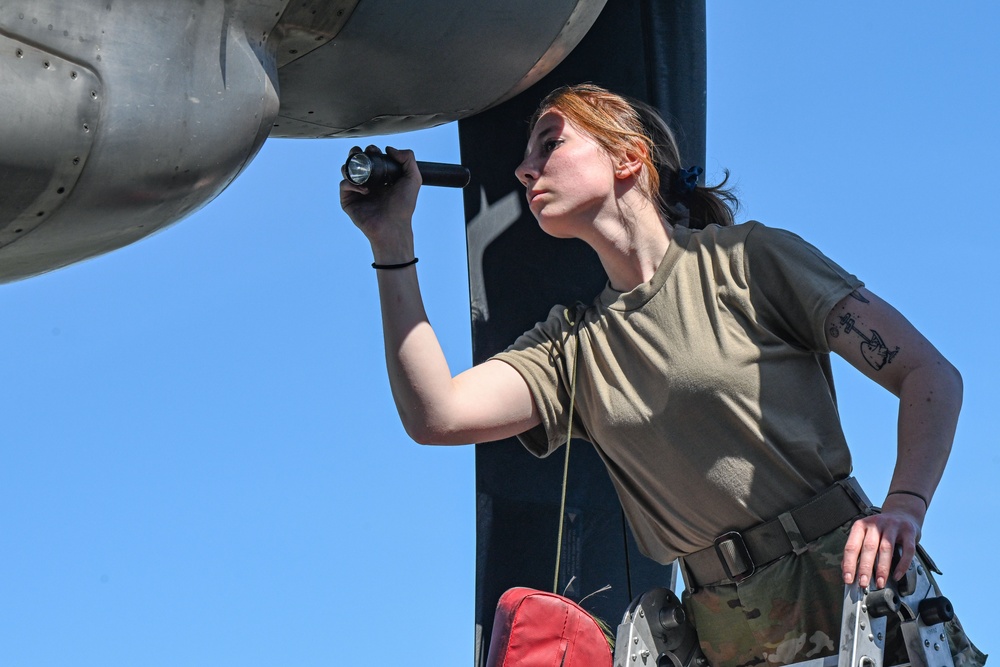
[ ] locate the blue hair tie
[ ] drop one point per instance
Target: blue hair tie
(687, 180)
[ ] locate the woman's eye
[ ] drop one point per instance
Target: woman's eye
(551, 145)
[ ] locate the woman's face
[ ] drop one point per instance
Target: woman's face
(568, 177)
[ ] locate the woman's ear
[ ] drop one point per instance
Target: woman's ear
(630, 162)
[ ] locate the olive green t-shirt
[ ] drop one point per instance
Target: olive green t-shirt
(706, 391)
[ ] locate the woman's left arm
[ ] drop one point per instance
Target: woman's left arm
(877, 340)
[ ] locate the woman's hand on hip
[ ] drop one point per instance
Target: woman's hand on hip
(873, 539)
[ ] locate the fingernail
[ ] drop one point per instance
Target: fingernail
(848, 578)
(880, 582)
(862, 581)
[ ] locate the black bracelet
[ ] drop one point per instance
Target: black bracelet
(396, 266)
(912, 493)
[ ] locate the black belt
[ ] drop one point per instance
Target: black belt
(736, 556)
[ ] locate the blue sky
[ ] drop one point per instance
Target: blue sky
(200, 462)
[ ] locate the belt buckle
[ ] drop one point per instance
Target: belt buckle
(734, 556)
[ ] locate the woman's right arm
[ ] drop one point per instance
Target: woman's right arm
(488, 402)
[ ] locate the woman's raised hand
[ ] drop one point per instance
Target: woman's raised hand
(384, 214)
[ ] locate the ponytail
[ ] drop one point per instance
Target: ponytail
(701, 205)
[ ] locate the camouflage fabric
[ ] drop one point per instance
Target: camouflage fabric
(788, 612)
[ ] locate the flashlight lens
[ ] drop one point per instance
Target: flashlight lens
(359, 168)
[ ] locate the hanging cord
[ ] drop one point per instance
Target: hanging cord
(569, 437)
(609, 635)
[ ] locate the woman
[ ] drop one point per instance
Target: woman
(700, 374)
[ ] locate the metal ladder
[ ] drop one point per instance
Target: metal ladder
(655, 631)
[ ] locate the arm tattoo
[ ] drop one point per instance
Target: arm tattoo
(857, 295)
(873, 349)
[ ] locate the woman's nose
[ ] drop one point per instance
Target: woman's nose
(525, 173)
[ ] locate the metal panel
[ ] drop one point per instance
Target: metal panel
(397, 65)
(306, 26)
(57, 99)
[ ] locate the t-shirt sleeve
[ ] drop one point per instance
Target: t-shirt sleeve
(793, 286)
(540, 356)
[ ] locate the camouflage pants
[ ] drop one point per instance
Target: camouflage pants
(788, 612)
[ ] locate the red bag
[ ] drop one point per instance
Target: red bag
(537, 629)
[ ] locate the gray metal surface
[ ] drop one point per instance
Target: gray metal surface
(926, 641)
(655, 632)
(398, 66)
(57, 99)
(171, 100)
(120, 117)
(862, 636)
(863, 633)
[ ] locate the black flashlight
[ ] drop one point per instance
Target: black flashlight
(377, 171)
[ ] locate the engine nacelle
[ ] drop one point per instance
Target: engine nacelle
(120, 117)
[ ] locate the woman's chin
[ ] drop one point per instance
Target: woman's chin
(555, 226)
(556, 232)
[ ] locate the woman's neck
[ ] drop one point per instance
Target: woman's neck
(631, 246)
